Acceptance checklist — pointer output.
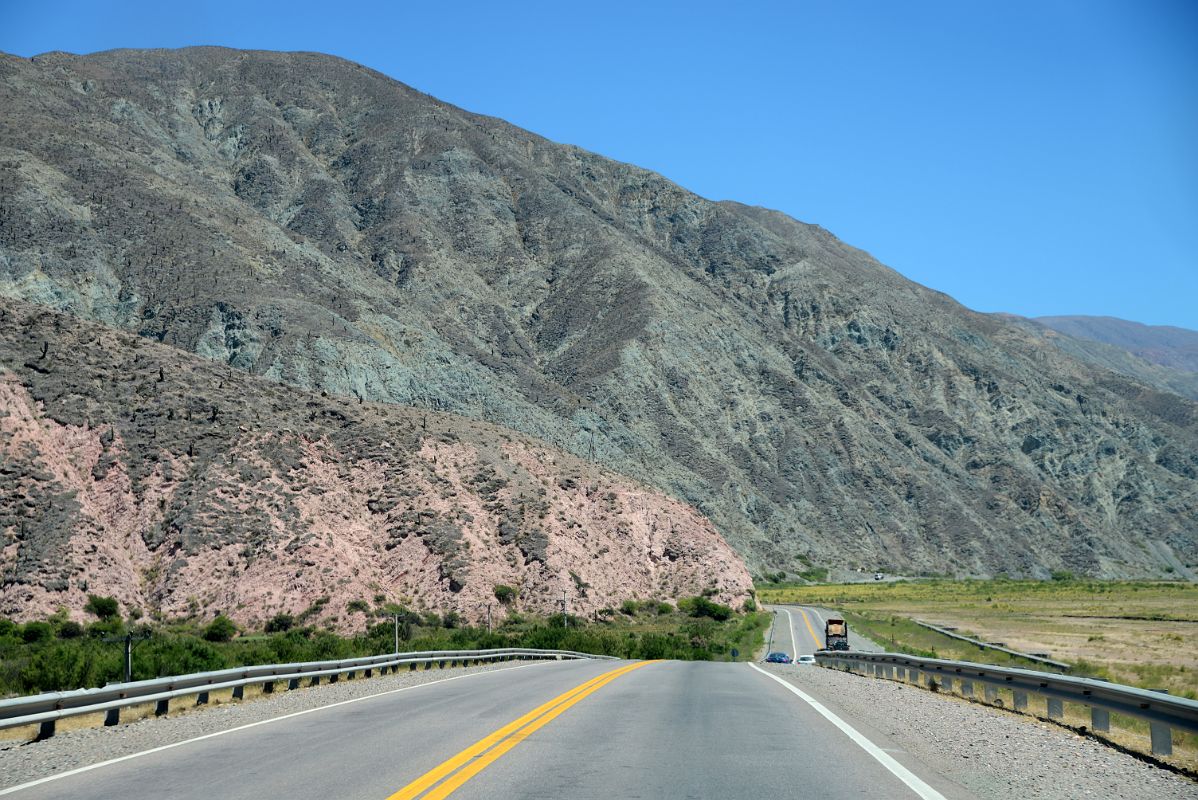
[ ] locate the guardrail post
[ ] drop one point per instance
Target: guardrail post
(112, 717)
(202, 699)
(161, 707)
(293, 683)
(946, 682)
(315, 681)
(367, 673)
(1020, 700)
(967, 688)
(45, 730)
(268, 687)
(1100, 719)
(333, 678)
(1162, 739)
(991, 693)
(1056, 708)
(238, 692)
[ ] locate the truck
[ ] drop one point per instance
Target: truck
(836, 635)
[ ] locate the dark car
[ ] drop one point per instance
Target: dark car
(777, 658)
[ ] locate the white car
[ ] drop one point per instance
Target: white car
(805, 660)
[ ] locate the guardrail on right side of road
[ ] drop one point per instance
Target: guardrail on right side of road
(1163, 712)
(1061, 665)
(46, 709)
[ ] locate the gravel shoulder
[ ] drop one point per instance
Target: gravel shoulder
(989, 752)
(23, 761)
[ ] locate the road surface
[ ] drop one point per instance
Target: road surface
(799, 630)
(576, 729)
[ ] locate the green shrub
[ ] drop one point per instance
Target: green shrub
(702, 607)
(505, 594)
(280, 623)
(33, 632)
(221, 629)
(357, 605)
(629, 607)
(102, 607)
(70, 630)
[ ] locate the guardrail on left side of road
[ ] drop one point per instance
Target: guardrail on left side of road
(46, 709)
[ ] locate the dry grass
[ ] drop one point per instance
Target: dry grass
(1138, 633)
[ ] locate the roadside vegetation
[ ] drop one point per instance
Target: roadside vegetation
(59, 653)
(1140, 633)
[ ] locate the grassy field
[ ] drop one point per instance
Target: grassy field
(1138, 633)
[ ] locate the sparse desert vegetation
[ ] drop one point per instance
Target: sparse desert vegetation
(56, 654)
(1141, 633)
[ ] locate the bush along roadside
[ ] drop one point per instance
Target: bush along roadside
(59, 653)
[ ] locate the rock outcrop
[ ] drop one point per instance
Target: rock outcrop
(183, 486)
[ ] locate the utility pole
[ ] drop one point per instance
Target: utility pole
(565, 620)
(396, 618)
(488, 617)
(128, 639)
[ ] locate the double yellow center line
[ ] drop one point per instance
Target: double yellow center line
(474, 759)
(814, 637)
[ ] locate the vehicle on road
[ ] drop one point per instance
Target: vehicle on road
(805, 660)
(836, 635)
(878, 576)
(777, 658)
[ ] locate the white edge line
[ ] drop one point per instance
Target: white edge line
(293, 714)
(885, 759)
(794, 642)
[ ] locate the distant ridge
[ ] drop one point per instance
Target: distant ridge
(1168, 346)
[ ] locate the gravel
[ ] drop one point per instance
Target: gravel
(991, 753)
(26, 761)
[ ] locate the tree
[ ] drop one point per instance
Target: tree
(220, 629)
(102, 607)
(280, 623)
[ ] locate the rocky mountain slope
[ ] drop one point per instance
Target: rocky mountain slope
(314, 222)
(1166, 345)
(180, 485)
(1128, 359)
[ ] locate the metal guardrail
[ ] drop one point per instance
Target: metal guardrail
(45, 709)
(1061, 665)
(1162, 712)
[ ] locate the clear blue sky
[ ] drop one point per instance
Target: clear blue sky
(1032, 156)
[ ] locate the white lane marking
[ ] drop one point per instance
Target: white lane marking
(794, 642)
(882, 757)
(818, 618)
(153, 750)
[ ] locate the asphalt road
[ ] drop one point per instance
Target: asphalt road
(637, 729)
(799, 630)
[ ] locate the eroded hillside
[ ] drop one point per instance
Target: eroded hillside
(180, 485)
(309, 220)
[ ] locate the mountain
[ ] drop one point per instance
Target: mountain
(313, 222)
(1166, 345)
(181, 485)
(1149, 365)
